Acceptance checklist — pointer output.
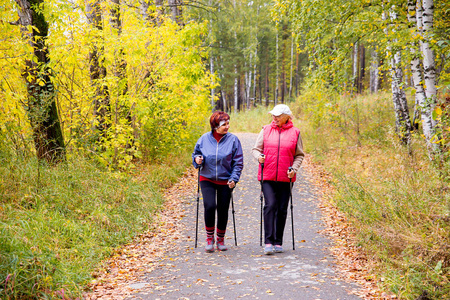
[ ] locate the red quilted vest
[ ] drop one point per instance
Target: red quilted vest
(279, 148)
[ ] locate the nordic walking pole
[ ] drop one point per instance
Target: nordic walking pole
(261, 198)
(198, 200)
(292, 214)
(234, 221)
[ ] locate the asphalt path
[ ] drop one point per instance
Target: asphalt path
(243, 271)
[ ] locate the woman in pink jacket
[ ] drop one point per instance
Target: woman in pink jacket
(279, 147)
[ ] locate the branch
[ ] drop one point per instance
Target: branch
(15, 23)
(11, 23)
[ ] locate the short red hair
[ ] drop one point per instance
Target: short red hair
(216, 117)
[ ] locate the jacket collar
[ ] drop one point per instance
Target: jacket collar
(211, 136)
(285, 126)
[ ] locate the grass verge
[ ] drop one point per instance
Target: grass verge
(394, 196)
(58, 223)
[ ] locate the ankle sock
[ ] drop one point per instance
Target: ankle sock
(220, 234)
(209, 232)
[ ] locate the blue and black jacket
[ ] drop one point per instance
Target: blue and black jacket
(222, 160)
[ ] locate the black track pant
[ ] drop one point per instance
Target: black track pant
(276, 198)
(209, 192)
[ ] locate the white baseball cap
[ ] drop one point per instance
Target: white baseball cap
(280, 109)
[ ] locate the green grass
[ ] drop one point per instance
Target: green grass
(58, 223)
(250, 120)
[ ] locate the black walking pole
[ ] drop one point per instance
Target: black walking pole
(292, 214)
(261, 198)
(198, 200)
(234, 221)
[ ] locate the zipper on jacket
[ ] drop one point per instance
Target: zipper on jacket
(278, 155)
(217, 153)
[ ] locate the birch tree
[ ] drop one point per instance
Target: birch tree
(422, 105)
(402, 119)
(429, 66)
(374, 72)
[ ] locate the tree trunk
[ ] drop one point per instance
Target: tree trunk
(176, 11)
(292, 65)
(41, 103)
(144, 6)
(277, 70)
(374, 73)
(159, 11)
(267, 87)
(254, 72)
(283, 63)
(422, 106)
(429, 66)
(248, 83)
(402, 119)
(97, 70)
(297, 74)
(355, 67)
(120, 65)
(362, 68)
(236, 75)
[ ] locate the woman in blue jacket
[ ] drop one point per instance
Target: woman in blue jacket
(218, 153)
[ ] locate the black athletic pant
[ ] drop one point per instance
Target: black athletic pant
(209, 192)
(276, 198)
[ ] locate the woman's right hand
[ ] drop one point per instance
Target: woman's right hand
(261, 159)
(199, 160)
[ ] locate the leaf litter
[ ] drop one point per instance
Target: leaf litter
(120, 273)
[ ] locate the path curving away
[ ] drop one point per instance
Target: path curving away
(185, 272)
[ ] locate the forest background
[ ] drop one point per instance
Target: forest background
(101, 102)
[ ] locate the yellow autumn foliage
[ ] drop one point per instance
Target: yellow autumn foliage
(167, 87)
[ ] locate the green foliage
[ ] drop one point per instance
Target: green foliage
(242, 39)
(330, 29)
(394, 197)
(58, 223)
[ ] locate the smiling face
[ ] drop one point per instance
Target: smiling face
(281, 119)
(224, 128)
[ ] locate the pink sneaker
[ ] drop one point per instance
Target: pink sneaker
(221, 244)
(209, 244)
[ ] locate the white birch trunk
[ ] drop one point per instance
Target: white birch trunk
(355, 67)
(277, 72)
(421, 102)
(374, 73)
(236, 98)
(292, 65)
(429, 67)
(248, 82)
(402, 120)
(224, 98)
(256, 59)
(254, 72)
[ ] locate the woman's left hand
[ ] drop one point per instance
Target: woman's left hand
(291, 173)
(231, 184)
